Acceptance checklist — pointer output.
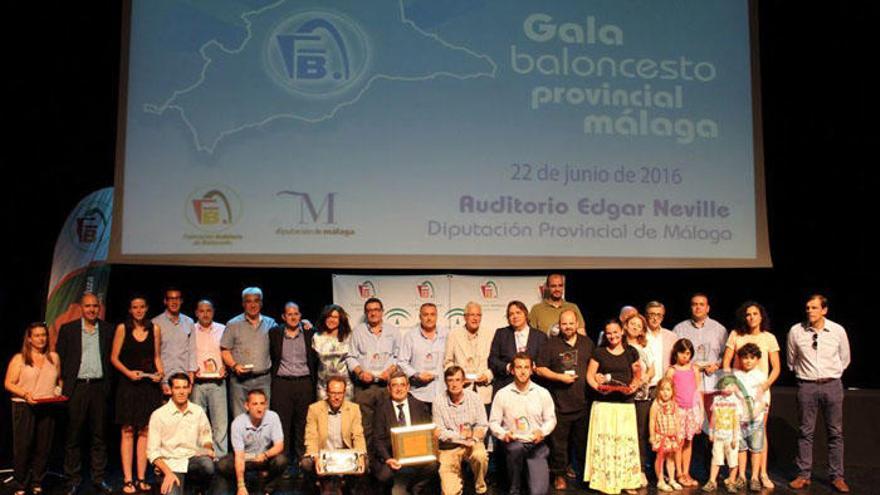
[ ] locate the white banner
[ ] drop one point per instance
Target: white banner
(493, 294)
(402, 295)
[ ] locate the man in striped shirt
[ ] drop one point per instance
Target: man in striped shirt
(461, 428)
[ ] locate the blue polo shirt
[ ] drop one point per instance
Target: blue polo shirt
(255, 440)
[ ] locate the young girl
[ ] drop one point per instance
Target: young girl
(687, 383)
(666, 434)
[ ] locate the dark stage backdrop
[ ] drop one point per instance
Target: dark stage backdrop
(61, 76)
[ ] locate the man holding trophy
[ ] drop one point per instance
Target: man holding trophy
(563, 364)
(522, 417)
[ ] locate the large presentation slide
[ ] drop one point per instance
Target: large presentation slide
(440, 134)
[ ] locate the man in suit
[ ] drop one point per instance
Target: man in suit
(512, 339)
(294, 366)
(399, 409)
(333, 424)
(84, 349)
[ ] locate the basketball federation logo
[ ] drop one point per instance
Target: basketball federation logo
(317, 53)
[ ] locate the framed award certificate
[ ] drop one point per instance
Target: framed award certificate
(334, 462)
(414, 444)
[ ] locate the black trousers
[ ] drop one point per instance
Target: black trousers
(290, 399)
(275, 468)
(570, 434)
(87, 412)
(368, 397)
(32, 428)
(643, 413)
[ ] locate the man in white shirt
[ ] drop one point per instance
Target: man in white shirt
(522, 416)
(180, 444)
(660, 340)
(818, 353)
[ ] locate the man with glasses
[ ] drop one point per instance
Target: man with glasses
(818, 353)
(660, 340)
(374, 348)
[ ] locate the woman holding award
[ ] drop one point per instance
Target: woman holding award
(135, 354)
(31, 377)
(612, 458)
(634, 328)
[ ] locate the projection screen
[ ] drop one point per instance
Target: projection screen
(440, 134)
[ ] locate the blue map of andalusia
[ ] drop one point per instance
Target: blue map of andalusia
(308, 63)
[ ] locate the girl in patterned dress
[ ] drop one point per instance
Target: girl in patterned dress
(687, 382)
(666, 434)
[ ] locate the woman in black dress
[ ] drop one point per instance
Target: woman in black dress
(135, 354)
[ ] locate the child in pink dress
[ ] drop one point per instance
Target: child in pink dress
(687, 382)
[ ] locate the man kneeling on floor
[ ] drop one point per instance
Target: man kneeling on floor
(180, 444)
(257, 445)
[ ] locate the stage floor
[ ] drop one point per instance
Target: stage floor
(861, 481)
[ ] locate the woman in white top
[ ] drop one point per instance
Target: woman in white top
(32, 376)
(753, 326)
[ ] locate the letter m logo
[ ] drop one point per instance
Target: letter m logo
(307, 211)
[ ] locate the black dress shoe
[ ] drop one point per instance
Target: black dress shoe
(103, 488)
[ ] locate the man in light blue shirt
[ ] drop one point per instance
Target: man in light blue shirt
(709, 338)
(176, 329)
(257, 443)
(422, 351)
(245, 350)
(375, 346)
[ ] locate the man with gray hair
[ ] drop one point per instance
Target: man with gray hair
(660, 340)
(468, 348)
(245, 347)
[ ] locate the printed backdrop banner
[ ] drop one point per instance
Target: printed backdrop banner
(79, 263)
(402, 296)
(493, 294)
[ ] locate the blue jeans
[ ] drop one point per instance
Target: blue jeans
(239, 387)
(211, 396)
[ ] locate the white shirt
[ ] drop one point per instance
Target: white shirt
(655, 350)
(522, 412)
(405, 404)
(830, 357)
(176, 436)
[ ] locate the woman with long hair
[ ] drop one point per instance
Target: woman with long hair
(612, 458)
(32, 374)
(753, 326)
(135, 354)
(332, 343)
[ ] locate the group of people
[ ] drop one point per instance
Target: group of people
(553, 403)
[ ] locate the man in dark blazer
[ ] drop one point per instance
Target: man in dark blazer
(294, 368)
(84, 349)
(514, 338)
(399, 409)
